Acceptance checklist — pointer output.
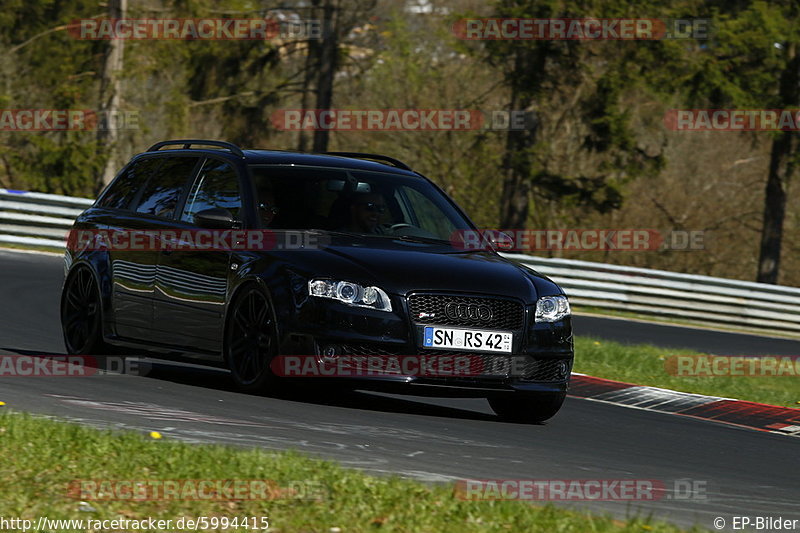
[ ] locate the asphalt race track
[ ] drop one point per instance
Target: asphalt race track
(747, 472)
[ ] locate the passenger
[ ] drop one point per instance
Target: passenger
(267, 210)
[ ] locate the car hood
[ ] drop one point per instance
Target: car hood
(400, 267)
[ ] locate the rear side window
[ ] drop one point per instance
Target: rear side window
(216, 186)
(162, 192)
(121, 192)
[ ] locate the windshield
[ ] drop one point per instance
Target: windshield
(353, 201)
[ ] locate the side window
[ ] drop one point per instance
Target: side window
(216, 186)
(163, 190)
(124, 188)
(428, 215)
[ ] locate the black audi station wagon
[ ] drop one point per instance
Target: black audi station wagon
(374, 271)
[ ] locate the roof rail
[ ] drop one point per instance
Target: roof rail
(377, 157)
(187, 144)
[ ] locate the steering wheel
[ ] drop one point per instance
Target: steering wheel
(396, 227)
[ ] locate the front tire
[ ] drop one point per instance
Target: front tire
(82, 315)
(251, 341)
(530, 408)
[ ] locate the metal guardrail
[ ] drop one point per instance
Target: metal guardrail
(37, 219)
(42, 220)
(706, 299)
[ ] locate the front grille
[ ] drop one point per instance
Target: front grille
(498, 366)
(505, 314)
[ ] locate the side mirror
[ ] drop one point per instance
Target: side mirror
(500, 240)
(215, 218)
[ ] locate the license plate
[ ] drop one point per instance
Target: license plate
(467, 339)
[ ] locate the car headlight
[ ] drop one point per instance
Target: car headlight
(551, 308)
(350, 294)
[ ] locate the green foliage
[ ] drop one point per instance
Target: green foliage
(585, 84)
(742, 62)
(65, 163)
(42, 67)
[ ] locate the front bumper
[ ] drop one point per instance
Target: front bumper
(541, 359)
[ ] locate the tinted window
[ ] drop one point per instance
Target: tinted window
(356, 201)
(122, 190)
(163, 190)
(215, 186)
(424, 213)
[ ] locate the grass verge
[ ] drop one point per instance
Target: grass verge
(646, 365)
(40, 458)
(10, 246)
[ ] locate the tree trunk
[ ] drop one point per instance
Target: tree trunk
(515, 196)
(312, 60)
(110, 89)
(327, 66)
(781, 168)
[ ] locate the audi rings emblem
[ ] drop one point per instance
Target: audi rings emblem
(467, 311)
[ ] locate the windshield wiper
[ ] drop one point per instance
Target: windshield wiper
(404, 238)
(414, 238)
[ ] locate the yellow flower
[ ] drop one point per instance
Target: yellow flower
(155, 434)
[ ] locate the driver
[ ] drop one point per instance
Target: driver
(366, 211)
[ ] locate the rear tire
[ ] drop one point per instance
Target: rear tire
(527, 407)
(82, 315)
(251, 341)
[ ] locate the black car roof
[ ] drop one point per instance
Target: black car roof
(274, 157)
(278, 157)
